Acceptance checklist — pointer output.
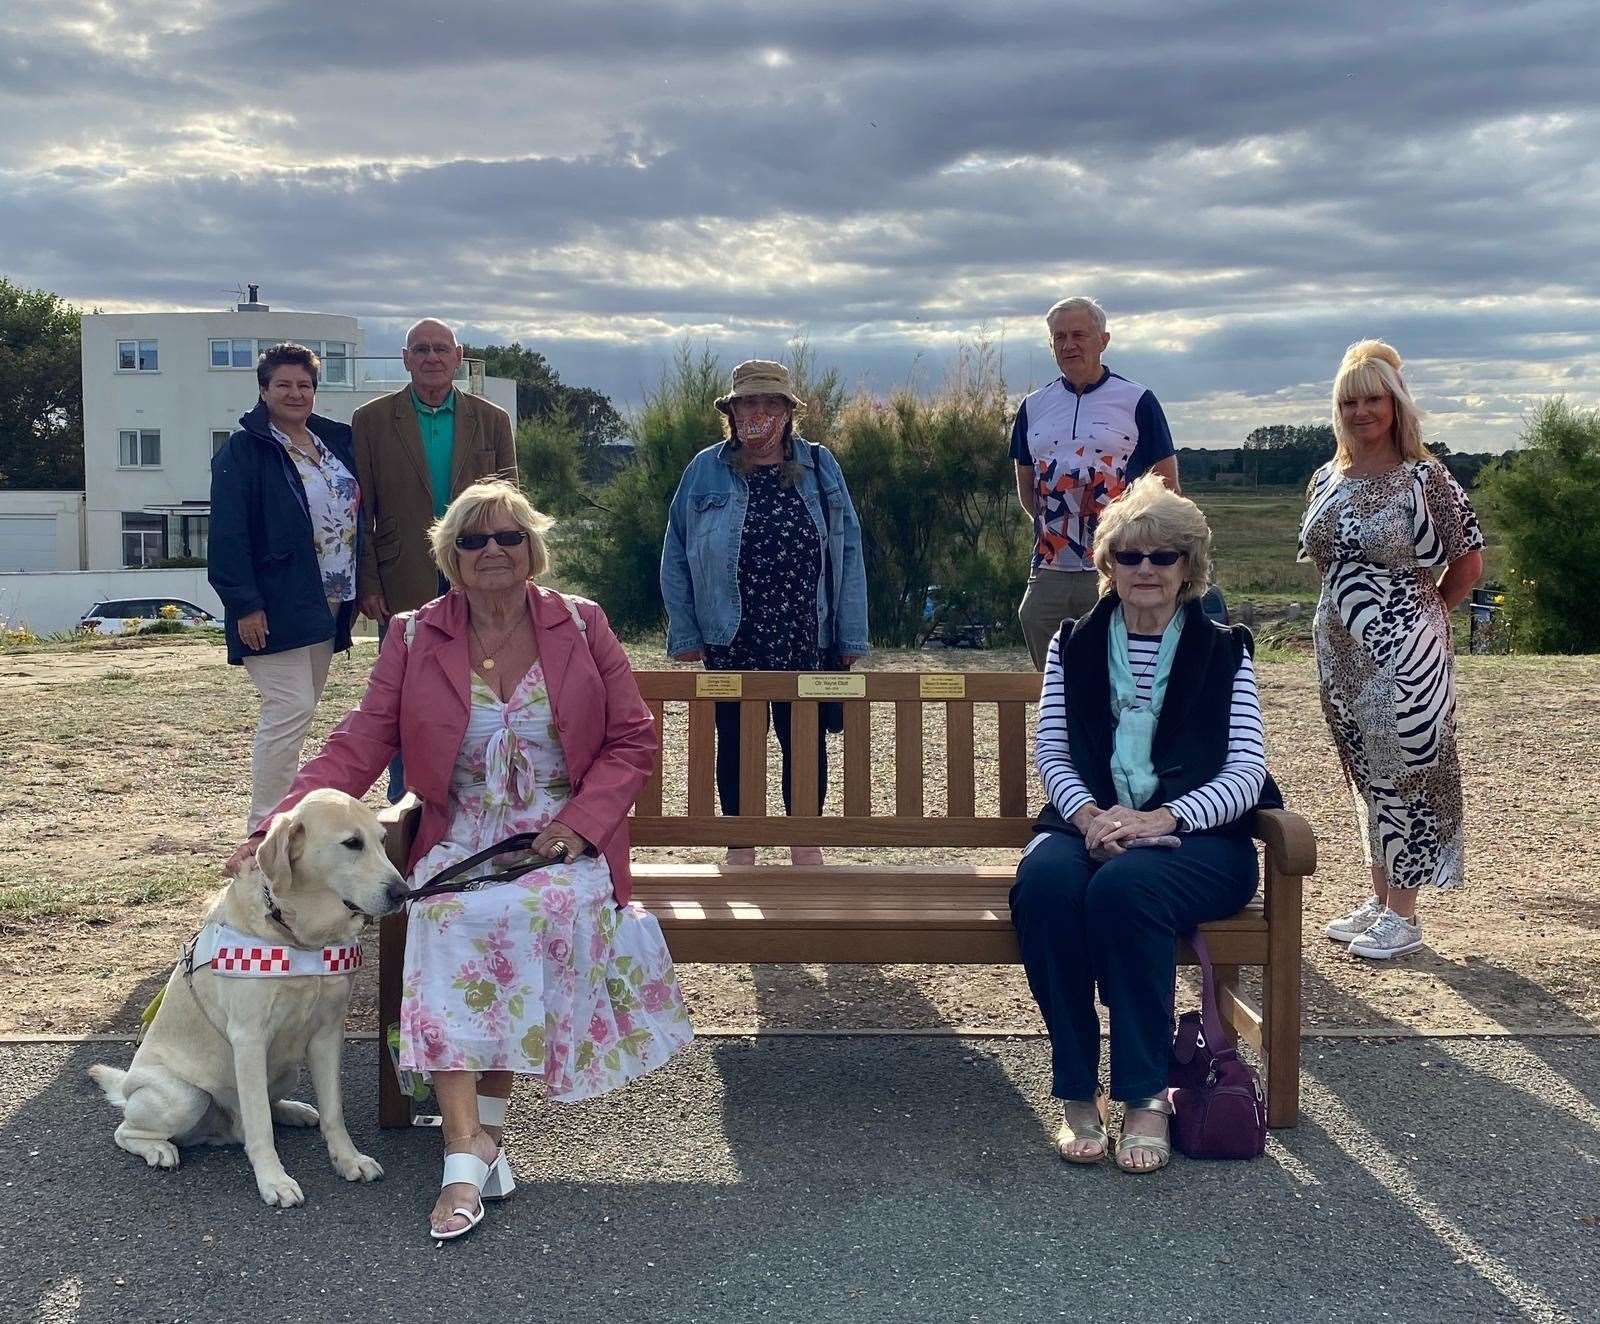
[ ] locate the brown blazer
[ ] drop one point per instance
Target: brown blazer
(397, 493)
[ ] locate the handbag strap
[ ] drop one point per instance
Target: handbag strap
(1218, 1040)
(827, 546)
(450, 880)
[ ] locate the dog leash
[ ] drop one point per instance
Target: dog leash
(450, 880)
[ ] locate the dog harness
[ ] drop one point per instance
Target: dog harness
(226, 951)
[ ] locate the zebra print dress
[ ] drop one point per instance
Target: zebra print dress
(1383, 654)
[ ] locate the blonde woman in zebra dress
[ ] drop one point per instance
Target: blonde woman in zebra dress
(1382, 518)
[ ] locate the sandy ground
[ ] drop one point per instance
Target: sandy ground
(124, 776)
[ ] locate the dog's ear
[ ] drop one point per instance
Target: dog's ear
(284, 843)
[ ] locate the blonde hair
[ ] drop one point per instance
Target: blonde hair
(1370, 367)
(468, 513)
(1151, 515)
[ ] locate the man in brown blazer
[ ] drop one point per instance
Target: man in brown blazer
(415, 451)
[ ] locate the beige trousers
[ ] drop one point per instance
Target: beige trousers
(290, 683)
(1052, 596)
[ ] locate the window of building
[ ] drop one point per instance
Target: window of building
(233, 353)
(140, 448)
(189, 535)
(137, 356)
(144, 539)
(219, 439)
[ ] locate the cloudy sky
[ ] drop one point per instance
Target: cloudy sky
(1246, 187)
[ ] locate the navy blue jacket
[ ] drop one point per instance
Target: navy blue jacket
(261, 553)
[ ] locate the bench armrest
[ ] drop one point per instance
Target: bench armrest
(400, 821)
(1291, 845)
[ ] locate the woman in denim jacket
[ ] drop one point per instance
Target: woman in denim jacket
(745, 563)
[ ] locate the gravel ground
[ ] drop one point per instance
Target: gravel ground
(123, 779)
(844, 1179)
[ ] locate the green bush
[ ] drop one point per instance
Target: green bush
(934, 485)
(549, 458)
(616, 555)
(1544, 497)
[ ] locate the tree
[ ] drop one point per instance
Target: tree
(1544, 496)
(548, 458)
(541, 394)
(1287, 453)
(41, 390)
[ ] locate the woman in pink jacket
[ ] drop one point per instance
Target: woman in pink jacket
(514, 710)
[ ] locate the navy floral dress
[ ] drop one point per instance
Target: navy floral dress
(780, 562)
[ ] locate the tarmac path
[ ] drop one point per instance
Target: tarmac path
(843, 1179)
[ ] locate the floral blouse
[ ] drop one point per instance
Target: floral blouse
(333, 496)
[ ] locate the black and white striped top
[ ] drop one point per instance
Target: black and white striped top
(1230, 795)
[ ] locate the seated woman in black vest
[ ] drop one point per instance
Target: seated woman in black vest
(1150, 749)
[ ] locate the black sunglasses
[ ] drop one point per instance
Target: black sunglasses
(476, 542)
(1131, 559)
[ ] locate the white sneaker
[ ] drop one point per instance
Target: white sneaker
(1390, 935)
(1357, 922)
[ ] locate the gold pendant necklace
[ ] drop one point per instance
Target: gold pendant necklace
(486, 662)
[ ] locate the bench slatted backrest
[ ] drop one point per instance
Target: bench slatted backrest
(913, 821)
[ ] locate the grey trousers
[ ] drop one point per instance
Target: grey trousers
(1052, 596)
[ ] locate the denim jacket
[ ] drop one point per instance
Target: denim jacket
(700, 556)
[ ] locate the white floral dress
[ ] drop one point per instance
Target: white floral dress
(543, 975)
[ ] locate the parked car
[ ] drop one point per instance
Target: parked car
(127, 615)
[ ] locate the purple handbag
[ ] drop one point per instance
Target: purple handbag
(1219, 1111)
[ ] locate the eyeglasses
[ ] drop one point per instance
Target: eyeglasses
(421, 351)
(476, 542)
(1131, 559)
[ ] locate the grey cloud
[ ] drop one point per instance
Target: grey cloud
(1270, 183)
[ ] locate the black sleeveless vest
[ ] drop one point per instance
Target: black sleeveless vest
(1191, 739)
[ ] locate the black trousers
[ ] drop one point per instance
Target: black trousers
(728, 756)
(1081, 923)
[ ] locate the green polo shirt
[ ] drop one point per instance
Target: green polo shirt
(438, 429)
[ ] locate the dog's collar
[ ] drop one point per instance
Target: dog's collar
(226, 951)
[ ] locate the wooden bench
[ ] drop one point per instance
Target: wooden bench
(880, 913)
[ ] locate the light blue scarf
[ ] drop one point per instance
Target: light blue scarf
(1131, 768)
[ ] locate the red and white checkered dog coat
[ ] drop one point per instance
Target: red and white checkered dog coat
(239, 955)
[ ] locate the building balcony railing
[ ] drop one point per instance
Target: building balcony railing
(369, 373)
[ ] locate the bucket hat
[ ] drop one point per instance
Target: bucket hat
(760, 377)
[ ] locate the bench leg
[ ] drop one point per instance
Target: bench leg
(1280, 1001)
(394, 1107)
(1226, 979)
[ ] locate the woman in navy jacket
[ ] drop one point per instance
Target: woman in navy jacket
(284, 546)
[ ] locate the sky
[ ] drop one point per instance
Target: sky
(1246, 188)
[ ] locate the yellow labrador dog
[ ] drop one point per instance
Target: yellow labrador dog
(265, 985)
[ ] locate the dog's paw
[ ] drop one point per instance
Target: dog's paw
(159, 1153)
(281, 1190)
(291, 1112)
(358, 1167)
(156, 1152)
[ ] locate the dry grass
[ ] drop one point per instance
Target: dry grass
(124, 777)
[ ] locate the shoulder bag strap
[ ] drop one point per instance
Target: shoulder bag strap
(1218, 1040)
(827, 548)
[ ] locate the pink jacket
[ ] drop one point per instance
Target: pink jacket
(418, 698)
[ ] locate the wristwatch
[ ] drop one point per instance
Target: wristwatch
(1180, 823)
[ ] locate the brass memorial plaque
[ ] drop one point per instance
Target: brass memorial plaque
(944, 687)
(832, 685)
(718, 685)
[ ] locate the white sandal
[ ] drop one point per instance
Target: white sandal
(500, 1183)
(470, 1170)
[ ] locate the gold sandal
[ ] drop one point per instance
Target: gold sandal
(1093, 1134)
(1160, 1146)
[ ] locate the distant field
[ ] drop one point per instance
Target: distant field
(1255, 530)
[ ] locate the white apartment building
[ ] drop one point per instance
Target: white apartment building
(163, 391)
